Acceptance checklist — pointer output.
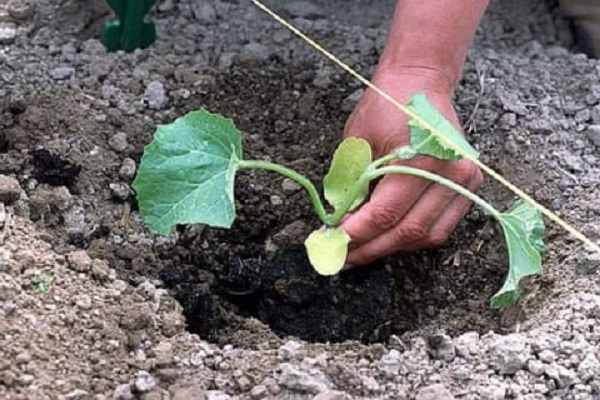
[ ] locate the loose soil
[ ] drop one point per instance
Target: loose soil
(93, 305)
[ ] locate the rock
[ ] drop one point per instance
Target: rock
(10, 190)
(593, 133)
(20, 9)
(259, 392)
(508, 354)
(441, 347)
(303, 9)
(467, 345)
(195, 392)
(294, 379)
(547, 356)
(434, 392)
(123, 392)
(100, 270)
(389, 365)
(127, 170)
(217, 395)
(118, 142)
(253, 53)
(276, 200)
(8, 32)
(563, 377)
(57, 197)
(589, 368)
(120, 191)
(332, 395)
(144, 382)
(289, 350)
(79, 261)
(352, 100)
(204, 11)
(77, 394)
(536, 367)
(155, 95)
(290, 186)
(83, 302)
(62, 73)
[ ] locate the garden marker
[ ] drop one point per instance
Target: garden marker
(131, 29)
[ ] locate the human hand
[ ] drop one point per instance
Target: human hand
(405, 213)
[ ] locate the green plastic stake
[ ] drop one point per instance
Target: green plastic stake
(131, 29)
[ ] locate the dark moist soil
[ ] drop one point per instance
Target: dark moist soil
(223, 276)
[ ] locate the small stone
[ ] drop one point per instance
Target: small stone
(217, 395)
(290, 186)
(10, 190)
(294, 379)
(389, 365)
(127, 170)
(589, 368)
(467, 344)
(8, 33)
(155, 95)
(289, 350)
(120, 191)
(352, 100)
(332, 395)
(23, 358)
(62, 73)
(563, 377)
(144, 382)
(204, 11)
(536, 367)
(118, 142)
(593, 133)
(100, 270)
(508, 354)
(253, 53)
(547, 356)
(123, 392)
(259, 392)
(79, 261)
(21, 9)
(77, 394)
(434, 392)
(84, 302)
(441, 347)
(276, 200)
(194, 392)
(303, 9)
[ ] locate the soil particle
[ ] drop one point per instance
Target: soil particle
(10, 190)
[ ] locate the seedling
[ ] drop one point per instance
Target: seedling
(187, 176)
(43, 281)
(131, 29)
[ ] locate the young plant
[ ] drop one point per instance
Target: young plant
(187, 176)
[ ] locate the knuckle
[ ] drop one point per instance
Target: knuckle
(412, 230)
(438, 238)
(384, 217)
(465, 173)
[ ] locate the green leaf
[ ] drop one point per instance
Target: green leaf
(350, 160)
(187, 173)
(425, 142)
(327, 250)
(523, 230)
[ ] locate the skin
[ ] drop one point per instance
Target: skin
(425, 52)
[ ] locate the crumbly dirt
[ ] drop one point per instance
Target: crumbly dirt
(93, 306)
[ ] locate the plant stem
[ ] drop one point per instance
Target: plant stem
(310, 188)
(397, 169)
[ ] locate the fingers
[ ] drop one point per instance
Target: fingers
(428, 223)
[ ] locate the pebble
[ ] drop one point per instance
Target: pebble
(293, 378)
(276, 200)
(123, 392)
(290, 186)
(589, 368)
(259, 392)
(127, 170)
(289, 349)
(62, 73)
(467, 345)
(144, 382)
(79, 261)
(389, 365)
(303, 9)
(203, 11)
(84, 302)
(593, 133)
(120, 191)
(441, 348)
(434, 392)
(10, 190)
(118, 142)
(155, 95)
(8, 32)
(508, 354)
(21, 9)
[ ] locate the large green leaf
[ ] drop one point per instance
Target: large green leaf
(523, 228)
(425, 142)
(327, 250)
(350, 160)
(187, 173)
